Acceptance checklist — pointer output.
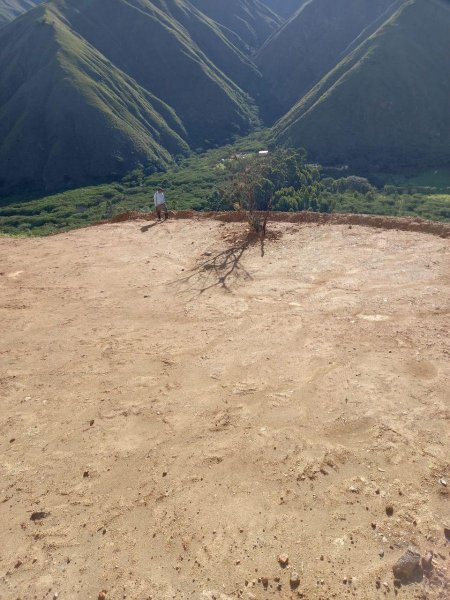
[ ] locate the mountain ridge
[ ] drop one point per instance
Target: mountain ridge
(161, 78)
(11, 9)
(369, 110)
(132, 60)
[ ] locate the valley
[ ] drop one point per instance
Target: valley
(86, 100)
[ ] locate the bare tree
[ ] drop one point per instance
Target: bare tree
(250, 190)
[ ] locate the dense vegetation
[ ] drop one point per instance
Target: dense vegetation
(197, 182)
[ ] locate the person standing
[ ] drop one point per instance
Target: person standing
(160, 204)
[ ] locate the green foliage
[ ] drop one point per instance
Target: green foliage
(196, 183)
(253, 184)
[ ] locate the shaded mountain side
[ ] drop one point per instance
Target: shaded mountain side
(214, 41)
(83, 98)
(284, 8)
(251, 20)
(387, 104)
(75, 117)
(159, 54)
(11, 9)
(308, 46)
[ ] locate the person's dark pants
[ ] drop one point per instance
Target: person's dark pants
(161, 208)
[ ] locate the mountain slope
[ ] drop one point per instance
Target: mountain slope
(250, 20)
(161, 56)
(10, 9)
(309, 45)
(284, 8)
(75, 118)
(80, 100)
(221, 46)
(388, 103)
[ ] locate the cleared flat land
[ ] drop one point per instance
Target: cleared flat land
(183, 408)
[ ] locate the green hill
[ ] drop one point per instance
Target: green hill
(68, 116)
(10, 9)
(145, 40)
(91, 89)
(250, 20)
(214, 41)
(309, 45)
(83, 98)
(387, 104)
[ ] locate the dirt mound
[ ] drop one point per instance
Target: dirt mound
(380, 222)
(189, 415)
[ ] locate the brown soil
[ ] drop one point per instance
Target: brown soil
(181, 408)
(379, 222)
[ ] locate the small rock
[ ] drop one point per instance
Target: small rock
(389, 510)
(427, 562)
(39, 515)
(283, 559)
(353, 489)
(381, 553)
(55, 596)
(18, 564)
(86, 474)
(443, 482)
(294, 580)
(91, 422)
(102, 595)
(447, 533)
(265, 582)
(408, 567)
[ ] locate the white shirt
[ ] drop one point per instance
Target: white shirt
(159, 198)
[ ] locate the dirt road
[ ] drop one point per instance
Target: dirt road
(179, 409)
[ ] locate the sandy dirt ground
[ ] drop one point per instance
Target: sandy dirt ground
(178, 409)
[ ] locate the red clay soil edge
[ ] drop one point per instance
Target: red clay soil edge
(380, 222)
